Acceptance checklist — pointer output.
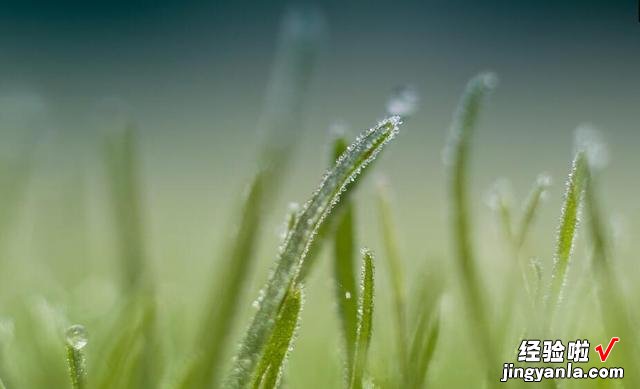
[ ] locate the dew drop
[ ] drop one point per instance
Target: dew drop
(77, 337)
(347, 295)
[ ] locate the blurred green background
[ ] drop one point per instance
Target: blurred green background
(193, 76)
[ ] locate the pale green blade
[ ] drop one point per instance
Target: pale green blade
(396, 272)
(457, 159)
(566, 233)
(365, 320)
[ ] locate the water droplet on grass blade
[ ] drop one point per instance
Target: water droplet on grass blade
(76, 336)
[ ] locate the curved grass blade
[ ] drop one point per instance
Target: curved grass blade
(296, 245)
(566, 232)
(271, 366)
(365, 316)
(343, 266)
(76, 340)
(394, 263)
(531, 206)
(456, 157)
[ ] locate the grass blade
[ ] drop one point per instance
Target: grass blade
(230, 283)
(76, 340)
(296, 245)
(456, 157)
(365, 316)
(122, 168)
(280, 123)
(343, 266)
(2, 384)
(566, 232)
(271, 366)
(394, 263)
(531, 207)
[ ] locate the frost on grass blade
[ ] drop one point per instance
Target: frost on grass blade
(365, 316)
(76, 340)
(566, 231)
(344, 265)
(456, 157)
(271, 366)
(294, 249)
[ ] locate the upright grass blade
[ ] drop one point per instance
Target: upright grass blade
(343, 266)
(531, 206)
(271, 365)
(567, 231)
(124, 361)
(2, 384)
(424, 345)
(425, 334)
(229, 284)
(365, 315)
(124, 183)
(457, 158)
(76, 340)
(122, 162)
(296, 245)
(394, 263)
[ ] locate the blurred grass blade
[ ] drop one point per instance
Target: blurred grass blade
(123, 363)
(343, 266)
(457, 159)
(365, 316)
(390, 241)
(279, 125)
(296, 245)
(423, 348)
(566, 233)
(230, 280)
(122, 168)
(76, 340)
(2, 384)
(531, 207)
(271, 365)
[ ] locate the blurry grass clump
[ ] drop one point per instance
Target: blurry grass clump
(131, 346)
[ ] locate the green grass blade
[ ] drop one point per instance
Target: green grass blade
(424, 345)
(230, 282)
(344, 267)
(566, 232)
(124, 184)
(76, 340)
(365, 320)
(457, 159)
(271, 365)
(531, 207)
(124, 361)
(396, 272)
(296, 245)
(2, 384)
